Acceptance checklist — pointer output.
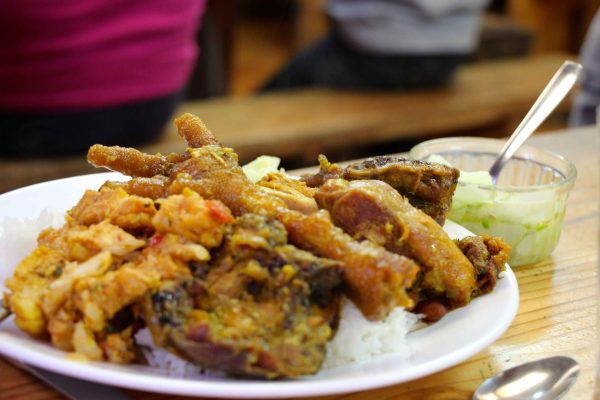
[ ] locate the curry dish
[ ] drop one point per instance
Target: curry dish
(246, 278)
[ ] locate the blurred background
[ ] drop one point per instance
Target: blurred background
(244, 43)
(254, 38)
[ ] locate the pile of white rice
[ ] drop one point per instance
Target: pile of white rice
(18, 238)
(356, 340)
(359, 339)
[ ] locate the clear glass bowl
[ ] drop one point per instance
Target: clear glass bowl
(526, 207)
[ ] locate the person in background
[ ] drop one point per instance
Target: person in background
(74, 73)
(387, 44)
(587, 99)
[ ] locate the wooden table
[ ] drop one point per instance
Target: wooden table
(557, 312)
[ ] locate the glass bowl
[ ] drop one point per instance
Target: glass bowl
(526, 207)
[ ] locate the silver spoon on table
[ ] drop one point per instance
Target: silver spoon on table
(558, 87)
(545, 379)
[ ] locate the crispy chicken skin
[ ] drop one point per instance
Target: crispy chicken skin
(376, 279)
(213, 172)
(28, 283)
(82, 286)
(295, 193)
(153, 188)
(133, 162)
(428, 186)
(130, 212)
(373, 210)
(194, 131)
(263, 308)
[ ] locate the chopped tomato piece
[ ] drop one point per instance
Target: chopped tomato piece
(220, 211)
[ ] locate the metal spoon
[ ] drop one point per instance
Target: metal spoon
(558, 87)
(544, 379)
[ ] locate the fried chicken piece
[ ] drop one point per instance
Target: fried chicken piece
(44, 282)
(194, 131)
(376, 279)
(130, 212)
(198, 220)
(428, 186)
(153, 188)
(132, 162)
(373, 210)
(27, 286)
(213, 172)
(327, 171)
(82, 286)
(489, 256)
(135, 163)
(263, 308)
(80, 242)
(295, 193)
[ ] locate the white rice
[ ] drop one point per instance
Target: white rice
(359, 339)
(356, 340)
(18, 237)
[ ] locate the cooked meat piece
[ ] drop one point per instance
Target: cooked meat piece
(27, 286)
(280, 181)
(327, 171)
(263, 308)
(130, 161)
(370, 209)
(198, 220)
(130, 212)
(194, 131)
(428, 186)
(213, 172)
(153, 188)
(489, 256)
(82, 286)
(295, 193)
(376, 279)
(80, 242)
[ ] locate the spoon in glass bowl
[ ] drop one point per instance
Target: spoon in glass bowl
(545, 379)
(558, 87)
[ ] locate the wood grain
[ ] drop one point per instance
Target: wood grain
(557, 312)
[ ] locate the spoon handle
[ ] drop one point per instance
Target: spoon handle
(558, 87)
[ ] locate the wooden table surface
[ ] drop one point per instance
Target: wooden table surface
(557, 311)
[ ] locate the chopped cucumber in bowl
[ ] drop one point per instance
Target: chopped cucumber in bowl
(530, 224)
(528, 217)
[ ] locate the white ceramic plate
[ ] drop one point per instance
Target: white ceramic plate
(458, 336)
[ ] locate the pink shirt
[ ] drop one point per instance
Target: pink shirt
(80, 54)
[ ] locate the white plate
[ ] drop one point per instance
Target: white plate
(458, 336)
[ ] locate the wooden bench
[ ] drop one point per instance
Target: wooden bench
(487, 98)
